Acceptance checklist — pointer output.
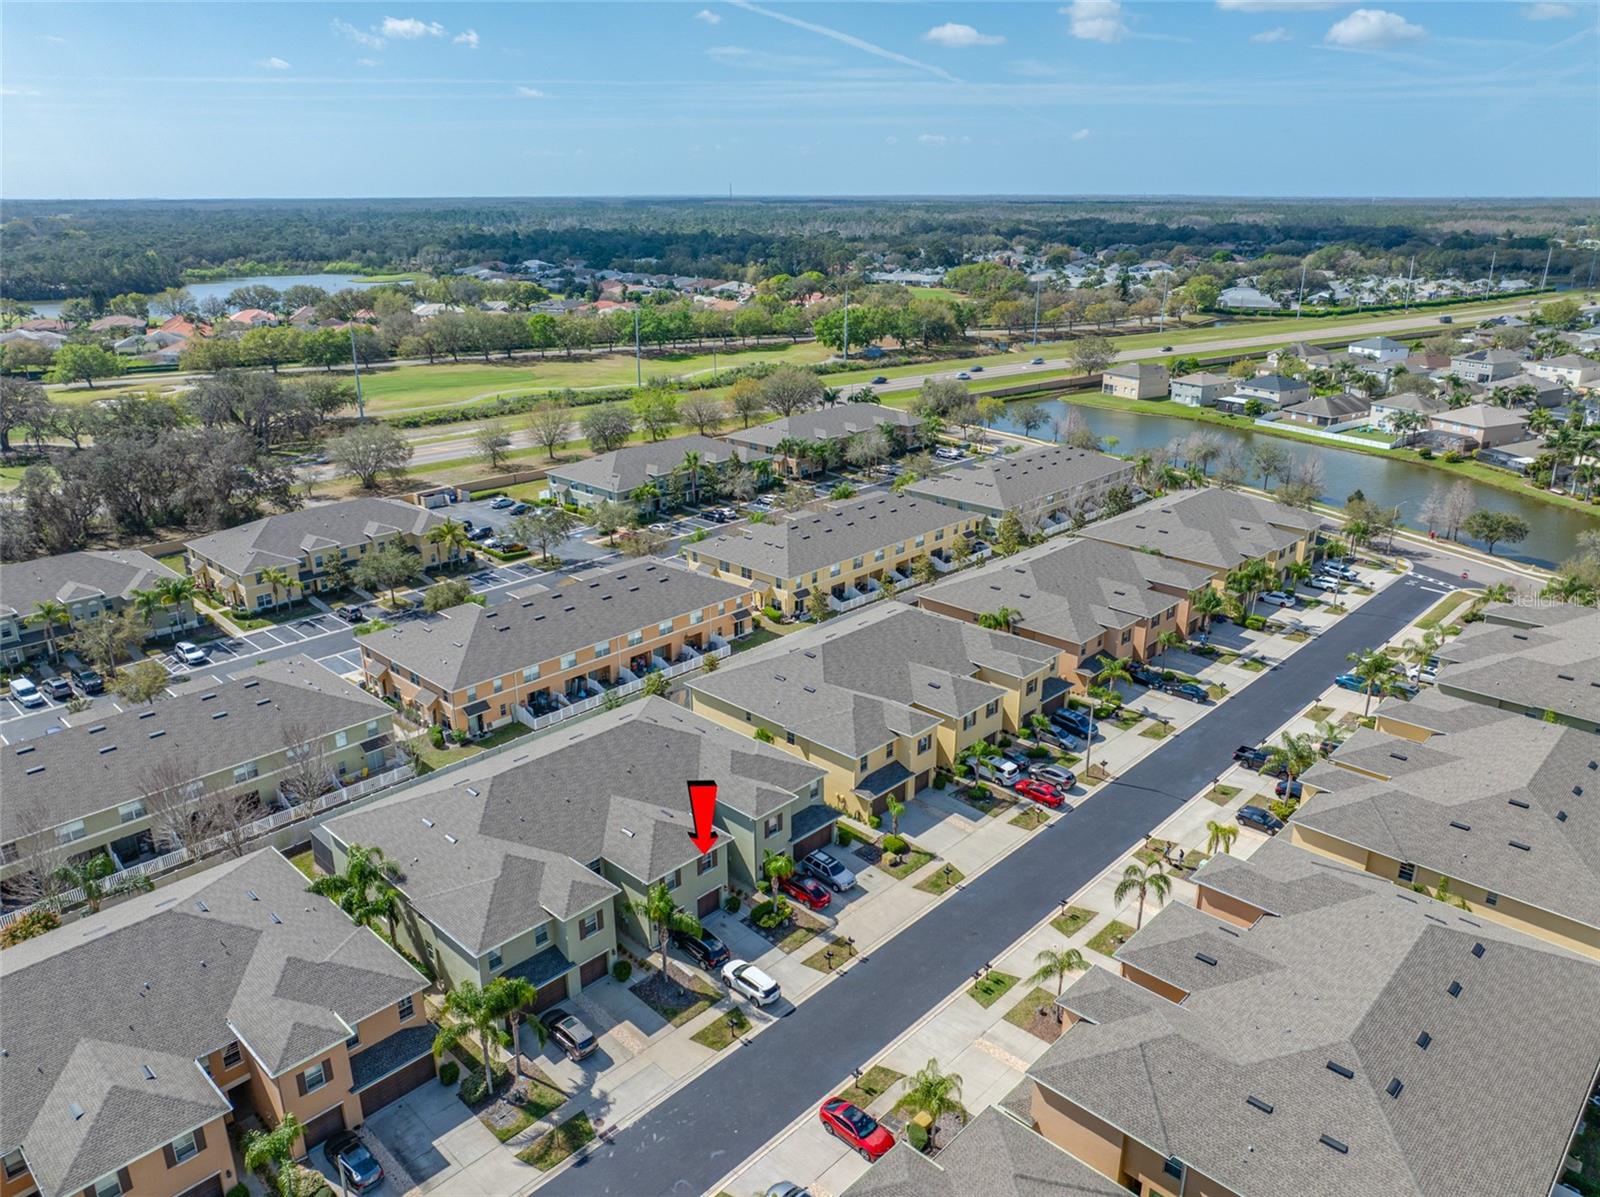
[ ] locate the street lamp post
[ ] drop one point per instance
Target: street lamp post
(638, 360)
(355, 361)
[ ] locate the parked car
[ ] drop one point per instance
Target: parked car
(806, 889)
(518, 509)
(1326, 582)
(88, 682)
(480, 534)
(501, 502)
(350, 613)
(705, 949)
(1261, 820)
(189, 653)
(1059, 776)
(856, 1128)
(1339, 570)
(879, 379)
(348, 1155)
(1190, 690)
(717, 515)
(825, 867)
(1284, 789)
(1040, 791)
(746, 980)
(569, 1033)
(1251, 758)
(24, 692)
(1396, 685)
(1073, 720)
(1278, 598)
(998, 770)
(1058, 737)
(787, 1188)
(1349, 681)
(1038, 361)
(57, 688)
(1145, 676)
(945, 453)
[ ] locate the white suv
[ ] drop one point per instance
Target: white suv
(999, 770)
(745, 979)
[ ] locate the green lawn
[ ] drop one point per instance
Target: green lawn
(1030, 818)
(1021, 1015)
(909, 864)
(994, 986)
(1222, 795)
(1317, 713)
(819, 959)
(874, 1083)
(1111, 937)
(303, 862)
(941, 879)
(1156, 731)
(431, 758)
(1073, 920)
(549, 1150)
(721, 1031)
(542, 1099)
(1445, 607)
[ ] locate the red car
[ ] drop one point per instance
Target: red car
(1040, 791)
(804, 889)
(859, 1130)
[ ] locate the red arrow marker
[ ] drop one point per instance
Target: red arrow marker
(703, 801)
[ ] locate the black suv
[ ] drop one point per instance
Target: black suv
(88, 681)
(709, 952)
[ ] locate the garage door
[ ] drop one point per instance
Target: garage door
(592, 970)
(708, 903)
(396, 1085)
(819, 838)
(210, 1187)
(329, 1122)
(924, 780)
(548, 995)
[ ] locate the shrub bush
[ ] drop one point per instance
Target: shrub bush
(843, 835)
(1255, 623)
(239, 1190)
(473, 1089)
(1425, 453)
(769, 914)
(917, 1136)
(773, 612)
(979, 791)
(1452, 457)
(895, 845)
(29, 926)
(436, 736)
(731, 903)
(621, 971)
(1037, 753)
(941, 779)
(449, 1073)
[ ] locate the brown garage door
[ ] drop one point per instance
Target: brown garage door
(924, 780)
(820, 838)
(327, 1123)
(210, 1187)
(396, 1085)
(708, 903)
(592, 970)
(548, 995)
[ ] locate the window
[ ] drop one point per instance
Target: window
(707, 862)
(858, 563)
(992, 708)
(354, 1041)
(569, 661)
(888, 753)
(924, 744)
(472, 694)
(68, 832)
(129, 811)
(1491, 899)
(697, 617)
(674, 879)
(14, 1164)
(664, 627)
(968, 722)
(495, 959)
(341, 739)
(372, 727)
(315, 1077)
(938, 536)
(406, 1008)
(788, 737)
(1173, 1167)
(878, 556)
(530, 674)
(835, 570)
(864, 762)
(107, 1186)
(591, 924)
(901, 547)
(773, 825)
(603, 648)
(542, 935)
(920, 541)
(246, 772)
(231, 1055)
(1408, 872)
(499, 685)
(1033, 685)
(263, 600)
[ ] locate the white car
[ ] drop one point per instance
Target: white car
(743, 978)
(1278, 598)
(25, 693)
(825, 867)
(189, 653)
(500, 502)
(1000, 771)
(944, 454)
(1324, 583)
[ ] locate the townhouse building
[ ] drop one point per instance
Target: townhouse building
(880, 699)
(530, 865)
(87, 584)
(1385, 1008)
(1536, 661)
(475, 668)
(311, 546)
(1325, 411)
(1219, 530)
(1444, 787)
(1478, 426)
(1270, 390)
(1379, 349)
(834, 424)
(847, 550)
(1201, 389)
(1085, 600)
(139, 1037)
(138, 782)
(1487, 365)
(618, 475)
(1570, 370)
(1045, 486)
(1135, 380)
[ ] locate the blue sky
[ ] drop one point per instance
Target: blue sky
(1230, 97)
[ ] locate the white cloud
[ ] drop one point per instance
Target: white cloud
(274, 64)
(361, 37)
(934, 139)
(54, 40)
(1276, 5)
(530, 93)
(1030, 68)
(891, 140)
(410, 29)
(1081, 135)
(1268, 37)
(17, 91)
(706, 17)
(1549, 12)
(367, 62)
(1373, 29)
(1096, 20)
(467, 38)
(958, 37)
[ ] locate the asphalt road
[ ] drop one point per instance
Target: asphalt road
(725, 1115)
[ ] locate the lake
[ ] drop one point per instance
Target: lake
(1553, 530)
(223, 287)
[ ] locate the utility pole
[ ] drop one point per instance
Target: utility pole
(1411, 274)
(638, 359)
(1036, 288)
(847, 320)
(1166, 285)
(1492, 256)
(1549, 253)
(1301, 302)
(1592, 257)
(355, 360)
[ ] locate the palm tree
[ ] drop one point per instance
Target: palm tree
(147, 603)
(90, 876)
(690, 468)
(477, 1012)
(1136, 879)
(50, 613)
(517, 994)
(1247, 581)
(895, 809)
(1293, 755)
(935, 1093)
(1169, 639)
(276, 577)
(364, 891)
(1220, 836)
(1207, 604)
(451, 537)
(777, 866)
(1113, 671)
(175, 592)
(1299, 571)
(661, 911)
(1372, 667)
(1420, 652)
(275, 1149)
(1002, 619)
(1056, 965)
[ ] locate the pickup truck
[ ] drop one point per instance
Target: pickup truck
(1251, 758)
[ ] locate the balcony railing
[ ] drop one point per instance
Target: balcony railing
(690, 661)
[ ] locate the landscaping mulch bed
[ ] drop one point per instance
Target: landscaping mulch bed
(790, 934)
(1035, 1014)
(677, 997)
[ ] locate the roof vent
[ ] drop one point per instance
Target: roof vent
(1341, 1070)
(1477, 950)
(1518, 636)
(148, 715)
(1330, 1141)
(1577, 791)
(427, 822)
(252, 895)
(1394, 1087)
(1455, 989)
(628, 831)
(75, 1110)
(25, 749)
(250, 685)
(778, 677)
(1561, 816)
(273, 915)
(108, 748)
(220, 715)
(200, 905)
(35, 769)
(1518, 803)
(450, 839)
(1460, 826)
(1520, 846)
(1207, 958)
(1399, 756)
(97, 729)
(1264, 1106)
(813, 656)
(261, 702)
(208, 697)
(1566, 677)
(157, 734)
(1423, 1040)
(809, 689)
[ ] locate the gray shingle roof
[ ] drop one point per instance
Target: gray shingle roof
(1471, 773)
(1555, 667)
(825, 423)
(1021, 480)
(1426, 405)
(282, 540)
(864, 679)
(995, 1155)
(73, 577)
(1072, 589)
(512, 836)
(469, 644)
(1216, 528)
(813, 540)
(161, 980)
(105, 760)
(1343, 406)
(625, 469)
(1353, 976)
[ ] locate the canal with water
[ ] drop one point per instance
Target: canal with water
(222, 288)
(1553, 530)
